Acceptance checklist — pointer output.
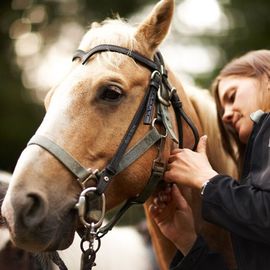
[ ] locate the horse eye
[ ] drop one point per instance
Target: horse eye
(111, 93)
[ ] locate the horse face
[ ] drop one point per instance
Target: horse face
(87, 115)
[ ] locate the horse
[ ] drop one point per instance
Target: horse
(92, 127)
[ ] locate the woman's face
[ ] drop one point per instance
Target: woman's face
(239, 98)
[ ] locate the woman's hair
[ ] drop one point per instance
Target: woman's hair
(255, 64)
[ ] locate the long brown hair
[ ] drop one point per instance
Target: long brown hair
(254, 64)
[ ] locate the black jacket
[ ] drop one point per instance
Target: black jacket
(243, 208)
(199, 258)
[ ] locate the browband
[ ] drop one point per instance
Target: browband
(84, 56)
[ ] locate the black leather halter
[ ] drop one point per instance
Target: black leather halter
(158, 98)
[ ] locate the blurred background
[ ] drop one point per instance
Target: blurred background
(38, 38)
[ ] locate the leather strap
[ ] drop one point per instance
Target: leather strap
(84, 56)
(62, 155)
(154, 180)
(137, 150)
(111, 168)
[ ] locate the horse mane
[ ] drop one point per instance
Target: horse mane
(205, 108)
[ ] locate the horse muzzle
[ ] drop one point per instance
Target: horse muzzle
(33, 227)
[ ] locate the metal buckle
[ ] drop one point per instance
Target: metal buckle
(91, 176)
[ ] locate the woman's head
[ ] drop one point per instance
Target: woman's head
(242, 87)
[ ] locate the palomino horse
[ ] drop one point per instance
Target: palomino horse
(115, 74)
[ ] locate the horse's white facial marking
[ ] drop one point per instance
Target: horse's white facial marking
(56, 119)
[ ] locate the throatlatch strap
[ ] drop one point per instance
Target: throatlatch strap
(62, 155)
(178, 108)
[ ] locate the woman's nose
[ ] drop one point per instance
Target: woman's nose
(227, 116)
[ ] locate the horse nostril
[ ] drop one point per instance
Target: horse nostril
(34, 211)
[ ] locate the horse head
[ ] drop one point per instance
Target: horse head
(87, 115)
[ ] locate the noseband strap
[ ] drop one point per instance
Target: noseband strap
(62, 155)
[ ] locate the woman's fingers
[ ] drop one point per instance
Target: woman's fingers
(176, 151)
(178, 198)
(175, 156)
(161, 201)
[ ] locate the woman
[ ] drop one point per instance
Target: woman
(242, 93)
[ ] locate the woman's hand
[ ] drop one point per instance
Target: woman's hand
(190, 168)
(174, 218)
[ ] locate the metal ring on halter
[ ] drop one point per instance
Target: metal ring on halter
(81, 208)
(153, 125)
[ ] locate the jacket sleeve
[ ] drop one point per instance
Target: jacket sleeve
(199, 258)
(241, 209)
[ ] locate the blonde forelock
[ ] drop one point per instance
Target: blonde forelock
(110, 31)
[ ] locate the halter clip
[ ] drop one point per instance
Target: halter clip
(82, 208)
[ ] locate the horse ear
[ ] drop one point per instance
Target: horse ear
(152, 31)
